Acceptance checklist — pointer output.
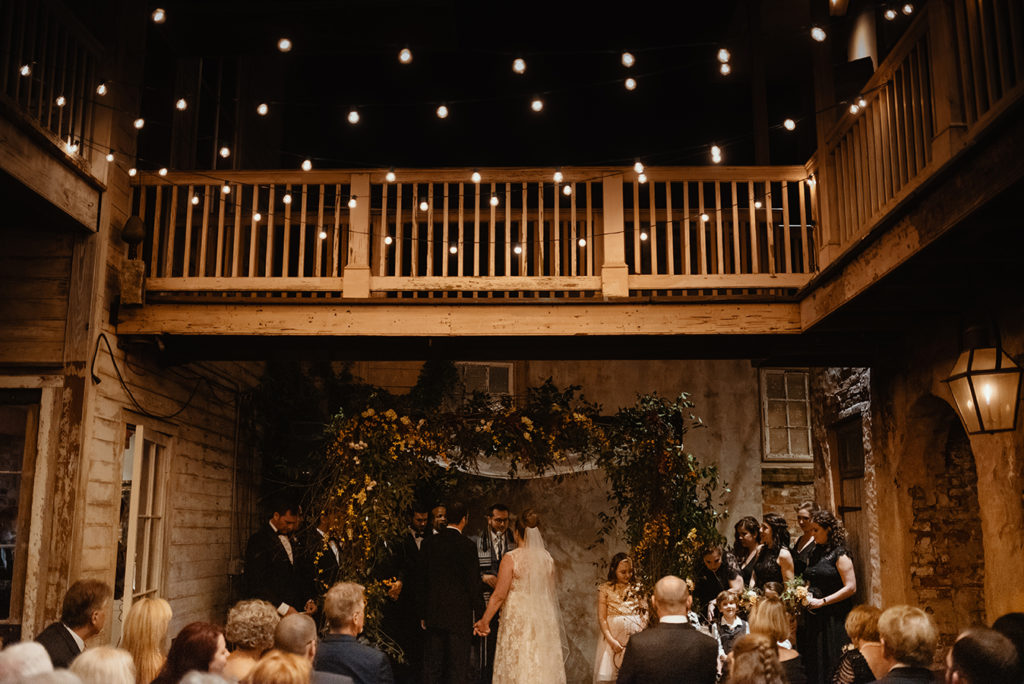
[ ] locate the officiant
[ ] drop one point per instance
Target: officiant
(491, 545)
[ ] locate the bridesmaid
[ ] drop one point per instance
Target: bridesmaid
(774, 562)
(748, 537)
(801, 550)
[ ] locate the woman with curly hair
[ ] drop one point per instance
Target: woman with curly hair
(145, 631)
(754, 661)
(199, 646)
(250, 629)
(748, 542)
(773, 563)
(832, 583)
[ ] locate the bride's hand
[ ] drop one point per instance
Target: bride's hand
(481, 628)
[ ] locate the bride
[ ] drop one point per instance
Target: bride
(530, 632)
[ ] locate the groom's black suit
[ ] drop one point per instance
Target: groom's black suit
(450, 596)
(669, 653)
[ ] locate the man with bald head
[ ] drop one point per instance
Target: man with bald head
(672, 651)
(296, 633)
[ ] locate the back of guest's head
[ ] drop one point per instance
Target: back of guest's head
(613, 565)
(455, 512)
(295, 633)
(192, 649)
(528, 519)
(278, 667)
(144, 633)
(808, 506)
(780, 529)
(984, 656)
(755, 660)
(1011, 626)
(768, 617)
(104, 665)
(862, 623)
(251, 624)
(908, 634)
(84, 598)
(23, 659)
(196, 677)
(342, 602)
(671, 596)
(774, 589)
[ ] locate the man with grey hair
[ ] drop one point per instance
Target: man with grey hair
(23, 659)
(340, 652)
(673, 651)
(297, 634)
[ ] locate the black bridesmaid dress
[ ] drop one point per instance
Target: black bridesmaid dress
(823, 634)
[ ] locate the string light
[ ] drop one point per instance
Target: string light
(582, 242)
(424, 205)
(704, 218)
(287, 199)
(494, 200)
(724, 56)
(442, 112)
(101, 89)
(631, 83)
(818, 34)
(861, 102)
(390, 176)
(225, 152)
(725, 69)
(638, 167)
(537, 104)
(225, 189)
(789, 124)
(262, 109)
(518, 249)
(388, 239)
(519, 65)
(475, 177)
(353, 117)
(110, 156)
(908, 9)
(132, 172)
(195, 200)
(558, 177)
(162, 171)
(758, 204)
(257, 217)
(643, 236)
(323, 234)
(890, 14)
(284, 45)
(812, 181)
(72, 147)
(854, 108)
(642, 178)
(181, 105)
(352, 202)
(159, 16)
(25, 70)
(628, 59)
(567, 190)
(307, 165)
(453, 250)
(716, 154)
(61, 100)
(139, 123)
(405, 56)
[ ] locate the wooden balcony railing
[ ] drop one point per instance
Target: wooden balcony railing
(515, 234)
(959, 66)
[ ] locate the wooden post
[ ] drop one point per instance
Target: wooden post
(949, 121)
(614, 273)
(357, 269)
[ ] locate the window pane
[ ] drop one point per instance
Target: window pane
(13, 422)
(774, 388)
(800, 442)
(795, 385)
(499, 379)
(797, 414)
(778, 441)
(475, 378)
(776, 414)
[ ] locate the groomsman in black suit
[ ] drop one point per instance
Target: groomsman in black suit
(673, 651)
(82, 616)
(321, 559)
(495, 541)
(273, 561)
(449, 599)
(404, 614)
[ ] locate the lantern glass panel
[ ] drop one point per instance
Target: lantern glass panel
(961, 389)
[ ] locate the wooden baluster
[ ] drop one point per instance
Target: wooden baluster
(445, 254)
(719, 237)
(268, 249)
(336, 237)
(804, 254)
(652, 220)
(476, 234)
(542, 238)
(769, 227)
(236, 234)
(507, 206)
(254, 227)
(573, 245)
(320, 227)
(431, 203)
(755, 257)
(687, 257)
(589, 255)
(787, 250)
(670, 230)
(301, 271)
(525, 223)
(461, 266)
(415, 231)
(168, 248)
(637, 229)
(222, 201)
(398, 230)
(381, 247)
(286, 235)
(702, 230)
(737, 253)
(556, 231)
(204, 226)
(156, 225)
(886, 142)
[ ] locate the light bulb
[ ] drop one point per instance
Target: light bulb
(476, 176)
(262, 109)
(405, 55)
(110, 156)
(162, 171)
(854, 108)
(890, 14)
(225, 189)
(537, 104)
(643, 236)
(724, 56)
(518, 249)
(159, 16)
(225, 152)
(908, 9)
(322, 235)
(424, 205)
(284, 45)
(139, 123)
(716, 159)
(442, 112)
(628, 59)
(638, 167)
(519, 65)
(25, 70)
(642, 178)
(132, 172)
(352, 203)
(494, 200)
(72, 147)
(388, 239)
(789, 124)
(716, 151)
(986, 389)
(758, 204)
(61, 100)
(287, 199)
(558, 177)
(818, 34)
(195, 200)
(181, 105)
(705, 218)
(453, 250)
(307, 165)
(812, 181)
(390, 176)
(725, 69)
(861, 102)
(566, 190)
(582, 242)
(257, 217)
(101, 89)
(630, 83)
(353, 117)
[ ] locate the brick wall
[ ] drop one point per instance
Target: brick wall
(783, 488)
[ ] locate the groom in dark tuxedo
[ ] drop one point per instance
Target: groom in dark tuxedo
(673, 651)
(450, 596)
(492, 544)
(273, 560)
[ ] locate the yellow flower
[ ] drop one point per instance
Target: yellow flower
(390, 414)
(526, 421)
(368, 412)
(527, 437)
(405, 420)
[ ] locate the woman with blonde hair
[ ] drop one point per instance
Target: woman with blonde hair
(769, 617)
(144, 636)
(104, 665)
(250, 629)
(278, 667)
(754, 660)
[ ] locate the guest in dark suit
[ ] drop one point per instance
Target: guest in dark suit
(909, 639)
(273, 562)
(340, 652)
(449, 599)
(296, 634)
(673, 651)
(82, 616)
(491, 546)
(401, 618)
(982, 656)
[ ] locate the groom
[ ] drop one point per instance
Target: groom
(449, 598)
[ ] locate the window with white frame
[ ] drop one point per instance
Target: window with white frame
(492, 379)
(785, 414)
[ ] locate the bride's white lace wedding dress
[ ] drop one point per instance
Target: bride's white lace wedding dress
(529, 649)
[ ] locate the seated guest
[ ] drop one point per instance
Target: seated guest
(22, 660)
(199, 646)
(673, 651)
(909, 638)
(250, 629)
(296, 634)
(982, 656)
(754, 661)
(82, 615)
(278, 667)
(340, 652)
(144, 634)
(105, 665)
(862, 661)
(769, 617)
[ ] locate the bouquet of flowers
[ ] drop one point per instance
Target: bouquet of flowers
(796, 595)
(748, 599)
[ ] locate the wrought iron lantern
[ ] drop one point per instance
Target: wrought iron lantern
(985, 383)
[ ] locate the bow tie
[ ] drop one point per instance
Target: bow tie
(417, 536)
(282, 534)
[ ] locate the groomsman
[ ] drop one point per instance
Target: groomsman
(273, 566)
(401, 617)
(321, 560)
(495, 541)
